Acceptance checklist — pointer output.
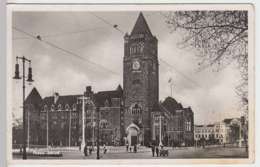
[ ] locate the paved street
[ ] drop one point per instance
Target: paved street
(145, 153)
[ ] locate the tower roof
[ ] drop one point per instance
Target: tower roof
(34, 97)
(141, 26)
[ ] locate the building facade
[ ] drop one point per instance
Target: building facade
(132, 114)
(140, 80)
(223, 132)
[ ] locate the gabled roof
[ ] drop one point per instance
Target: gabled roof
(68, 99)
(102, 96)
(141, 26)
(227, 120)
(34, 97)
(171, 104)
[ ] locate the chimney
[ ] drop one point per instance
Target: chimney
(56, 97)
(88, 92)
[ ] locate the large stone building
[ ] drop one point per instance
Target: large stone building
(141, 85)
(132, 114)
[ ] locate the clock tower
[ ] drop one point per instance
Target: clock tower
(140, 81)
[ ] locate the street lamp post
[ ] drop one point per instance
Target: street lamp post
(29, 79)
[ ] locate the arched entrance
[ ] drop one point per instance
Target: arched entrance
(132, 132)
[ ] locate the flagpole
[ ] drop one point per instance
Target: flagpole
(171, 89)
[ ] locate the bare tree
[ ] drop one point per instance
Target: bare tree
(220, 37)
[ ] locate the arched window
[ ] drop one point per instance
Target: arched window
(103, 124)
(136, 109)
(45, 108)
(67, 107)
(59, 107)
(106, 104)
(52, 107)
(74, 107)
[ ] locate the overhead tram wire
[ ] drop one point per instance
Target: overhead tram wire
(115, 26)
(169, 65)
(39, 38)
(183, 75)
(62, 33)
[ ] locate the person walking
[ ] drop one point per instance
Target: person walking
(127, 146)
(135, 148)
(153, 149)
(90, 150)
(104, 149)
(157, 151)
(86, 150)
(130, 149)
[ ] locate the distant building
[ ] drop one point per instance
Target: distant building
(223, 132)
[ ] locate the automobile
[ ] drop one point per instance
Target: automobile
(164, 152)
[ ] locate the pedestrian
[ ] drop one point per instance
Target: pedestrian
(135, 148)
(157, 151)
(104, 149)
(90, 150)
(21, 149)
(130, 149)
(127, 146)
(153, 150)
(86, 150)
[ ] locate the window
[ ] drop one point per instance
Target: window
(52, 107)
(59, 107)
(188, 126)
(136, 81)
(45, 108)
(136, 110)
(103, 124)
(106, 103)
(67, 107)
(74, 106)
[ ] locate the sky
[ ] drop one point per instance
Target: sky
(209, 93)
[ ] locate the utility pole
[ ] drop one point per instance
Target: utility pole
(93, 128)
(47, 128)
(83, 98)
(69, 127)
(98, 119)
(160, 130)
(29, 79)
(28, 129)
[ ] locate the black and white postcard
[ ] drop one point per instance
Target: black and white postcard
(161, 84)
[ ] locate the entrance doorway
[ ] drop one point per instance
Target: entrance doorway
(133, 140)
(133, 132)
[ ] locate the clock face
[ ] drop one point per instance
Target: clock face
(136, 65)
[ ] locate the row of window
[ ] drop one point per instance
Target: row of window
(67, 108)
(208, 130)
(137, 48)
(209, 135)
(73, 116)
(136, 111)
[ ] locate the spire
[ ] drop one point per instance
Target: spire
(141, 26)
